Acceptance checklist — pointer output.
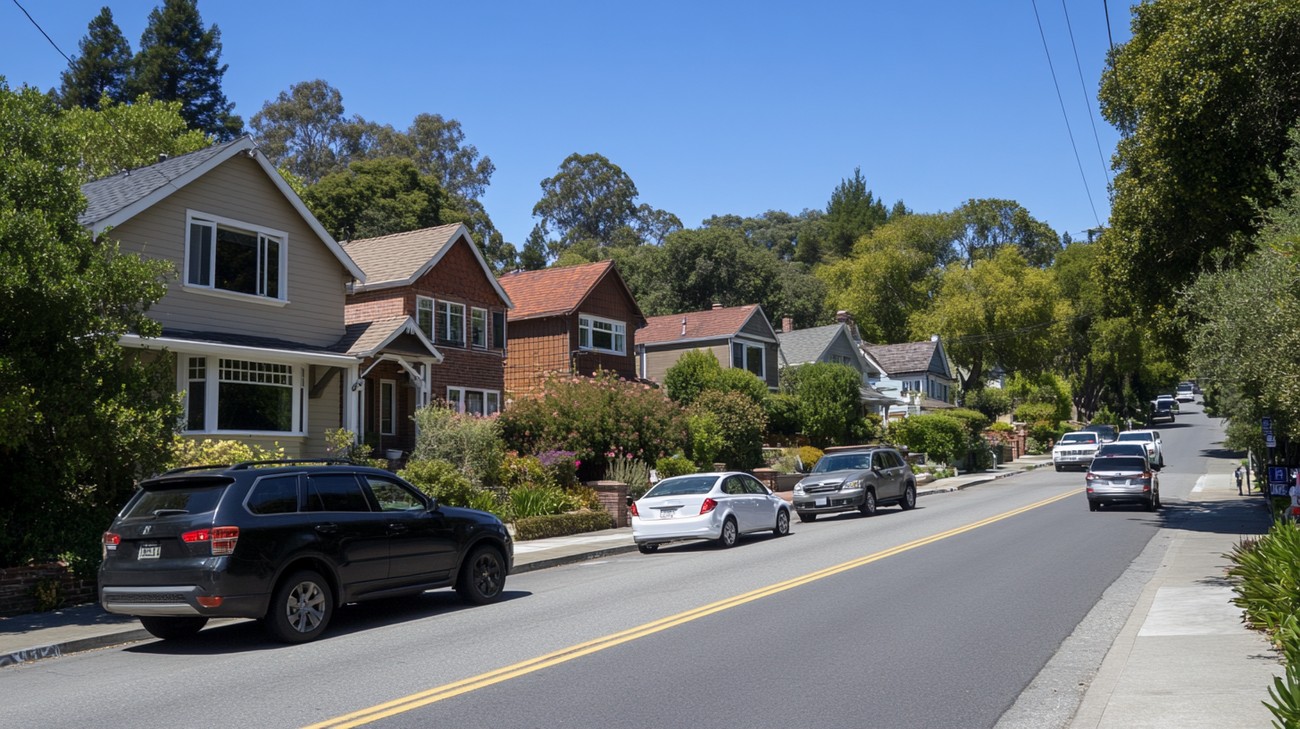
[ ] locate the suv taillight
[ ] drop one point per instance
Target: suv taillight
(222, 539)
(110, 541)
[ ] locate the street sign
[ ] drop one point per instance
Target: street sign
(1280, 479)
(1266, 424)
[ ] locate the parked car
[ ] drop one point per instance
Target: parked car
(1075, 449)
(716, 506)
(1105, 433)
(1150, 440)
(862, 479)
(1122, 480)
(289, 542)
(1162, 409)
(1186, 392)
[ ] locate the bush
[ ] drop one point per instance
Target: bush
(809, 456)
(208, 452)
(526, 501)
(830, 400)
(630, 471)
(342, 443)
(1266, 573)
(595, 416)
(444, 482)
(742, 424)
(867, 429)
(562, 465)
(470, 442)
(1034, 447)
(693, 373)
(782, 412)
(973, 420)
(705, 439)
(670, 466)
(993, 402)
(560, 525)
(1105, 417)
(940, 437)
(1001, 427)
(523, 471)
(744, 382)
(1036, 412)
(1045, 432)
(581, 497)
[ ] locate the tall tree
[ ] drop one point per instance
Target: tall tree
(784, 234)
(102, 68)
(303, 130)
(117, 137)
(851, 213)
(377, 197)
(180, 60)
(988, 224)
(437, 147)
(80, 419)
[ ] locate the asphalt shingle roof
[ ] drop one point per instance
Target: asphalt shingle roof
(108, 195)
(706, 324)
(907, 357)
(399, 256)
(803, 346)
(553, 291)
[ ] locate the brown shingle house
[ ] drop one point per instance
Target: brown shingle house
(574, 319)
(739, 336)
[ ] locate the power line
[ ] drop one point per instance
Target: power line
(1083, 88)
(42, 30)
(1106, 7)
(1065, 116)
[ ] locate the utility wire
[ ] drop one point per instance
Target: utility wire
(1065, 116)
(1106, 7)
(1083, 88)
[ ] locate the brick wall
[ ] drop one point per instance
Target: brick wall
(613, 499)
(18, 588)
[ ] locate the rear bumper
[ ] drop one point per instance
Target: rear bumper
(178, 600)
(652, 531)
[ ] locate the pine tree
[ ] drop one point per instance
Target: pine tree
(103, 67)
(180, 61)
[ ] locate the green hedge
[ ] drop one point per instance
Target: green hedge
(561, 525)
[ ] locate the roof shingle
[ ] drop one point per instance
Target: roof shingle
(706, 324)
(554, 291)
(399, 256)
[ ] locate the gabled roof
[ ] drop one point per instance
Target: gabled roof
(898, 359)
(366, 339)
(399, 259)
(692, 326)
(805, 346)
(116, 199)
(559, 291)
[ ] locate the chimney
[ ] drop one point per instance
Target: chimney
(162, 157)
(843, 317)
(787, 324)
(683, 326)
(716, 306)
(934, 337)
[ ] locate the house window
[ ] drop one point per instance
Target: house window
(602, 335)
(424, 315)
(478, 335)
(499, 330)
(474, 402)
(226, 255)
(748, 357)
(450, 320)
(387, 407)
(242, 395)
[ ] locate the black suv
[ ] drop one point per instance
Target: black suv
(288, 542)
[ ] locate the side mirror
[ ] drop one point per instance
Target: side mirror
(433, 504)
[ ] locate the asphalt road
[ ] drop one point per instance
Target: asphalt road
(939, 617)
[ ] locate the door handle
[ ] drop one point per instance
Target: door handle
(327, 528)
(395, 528)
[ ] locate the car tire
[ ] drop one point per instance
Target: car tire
(909, 497)
(868, 507)
(782, 527)
(482, 577)
(729, 534)
(1152, 504)
(807, 517)
(301, 608)
(648, 547)
(170, 628)
(1093, 506)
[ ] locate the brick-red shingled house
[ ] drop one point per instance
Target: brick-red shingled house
(573, 319)
(430, 321)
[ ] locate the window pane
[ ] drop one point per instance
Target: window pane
(337, 492)
(196, 405)
(474, 402)
(498, 330)
(424, 316)
(271, 269)
(236, 268)
(255, 396)
(478, 327)
(738, 356)
(200, 265)
(274, 495)
(493, 403)
(754, 360)
(456, 323)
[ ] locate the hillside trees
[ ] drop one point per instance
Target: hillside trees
(102, 68)
(853, 211)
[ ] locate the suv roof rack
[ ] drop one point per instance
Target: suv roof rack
(245, 465)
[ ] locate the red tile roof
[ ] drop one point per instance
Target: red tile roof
(707, 324)
(555, 291)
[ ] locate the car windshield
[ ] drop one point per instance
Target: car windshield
(843, 462)
(683, 486)
(1077, 438)
(1133, 437)
(1119, 463)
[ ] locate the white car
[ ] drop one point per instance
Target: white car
(1186, 392)
(715, 506)
(1075, 450)
(1148, 438)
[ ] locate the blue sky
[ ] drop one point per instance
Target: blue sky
(710, 107)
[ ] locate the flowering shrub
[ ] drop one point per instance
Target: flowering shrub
(670, 466)
(470, 442)
(523, 471)
(562, 465)
(592, 417)
(190, 452)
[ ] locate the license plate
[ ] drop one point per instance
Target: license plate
(149, 551)
(667, 513)
(823, 501)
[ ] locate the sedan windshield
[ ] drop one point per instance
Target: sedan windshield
(843, 462)
(1135, 436)
(1126, 464)
(683, 486)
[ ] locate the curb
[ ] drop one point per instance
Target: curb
(542, 564)
(29, 655)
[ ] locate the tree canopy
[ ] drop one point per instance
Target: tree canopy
(103, 67)
(377, 197)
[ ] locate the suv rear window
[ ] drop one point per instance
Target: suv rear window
(177, 497)
(1119, 463)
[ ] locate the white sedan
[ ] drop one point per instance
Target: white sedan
(715, 506)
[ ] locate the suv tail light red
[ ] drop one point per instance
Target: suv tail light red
(222, 539)
(110, 541)
(708, 505)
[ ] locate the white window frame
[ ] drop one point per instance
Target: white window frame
(491, 399)
(479, 315)
(747, 350)
(424, 308)
(588, 324)
(264, 235)
(450, 308)
(210, 369)
(387, 397)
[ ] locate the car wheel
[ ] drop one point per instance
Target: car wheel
(648, 547)
(909, 497)
(1060, 468)
(482, 577)
(1152, 505)
(782, 527)
(301, 608)
(172, 628)
(807, 516)
(868, 507)
(1093, 506)
(727, 538)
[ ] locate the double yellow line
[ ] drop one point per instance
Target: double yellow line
(483, 680)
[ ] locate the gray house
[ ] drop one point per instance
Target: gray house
(837, 343)
(921, 372)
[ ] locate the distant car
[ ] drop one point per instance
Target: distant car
(1122, 480)
(1106, 433)
(1162, 409)
(1120, 449)
(1150, 440)
(1075, 450)
(1186, 392)
(715, 506)
(861, 479)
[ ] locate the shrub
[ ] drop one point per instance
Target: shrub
(190, 452)
(522, 471)
(1266, 573)
(595, 416)
(809, 456)
(562, 465)
(782, 410)
(830, 400)
(1034, 447)
(470, 442)
(1035, 412)
(993, 402)
(940, 437)
(1105, 417)
(581, 497)
(1044, 431)
(342, 443)
(630, 471)
(1001, 427)
(559, 525)
(705, 439)
(867, 429)
(694, 372)
(744, 382)
(670, 466)
(742, 424)
(973, 420)
(526, 501)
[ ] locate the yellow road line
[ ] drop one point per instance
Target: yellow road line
(483, 680)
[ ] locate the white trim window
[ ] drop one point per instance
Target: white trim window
(232, 257)
(474, 402)
(387, 407)
(601, 335)
(245, 396)
(746, 356)
(478, 327)
(424, 315)
(449, 318)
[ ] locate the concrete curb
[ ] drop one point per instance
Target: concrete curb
(28, 655)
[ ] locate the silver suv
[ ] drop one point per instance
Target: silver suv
(861, 479)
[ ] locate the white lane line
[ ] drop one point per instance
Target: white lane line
(1200, 482)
